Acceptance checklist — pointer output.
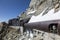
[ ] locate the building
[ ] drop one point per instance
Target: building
(14, 22)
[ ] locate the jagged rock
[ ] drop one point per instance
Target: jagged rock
(39, 5)
(13, 34)
(3, 30)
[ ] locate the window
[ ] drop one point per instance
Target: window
(53, 27)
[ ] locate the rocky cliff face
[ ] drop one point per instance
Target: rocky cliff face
(39, 5)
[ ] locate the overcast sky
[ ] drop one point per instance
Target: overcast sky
(12, 8)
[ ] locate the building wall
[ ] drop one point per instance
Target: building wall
(14, 22)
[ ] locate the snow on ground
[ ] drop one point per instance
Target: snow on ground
(49, 16)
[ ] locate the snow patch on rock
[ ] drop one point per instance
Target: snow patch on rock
(49, 16)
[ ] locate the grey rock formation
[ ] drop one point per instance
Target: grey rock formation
(39, 5)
